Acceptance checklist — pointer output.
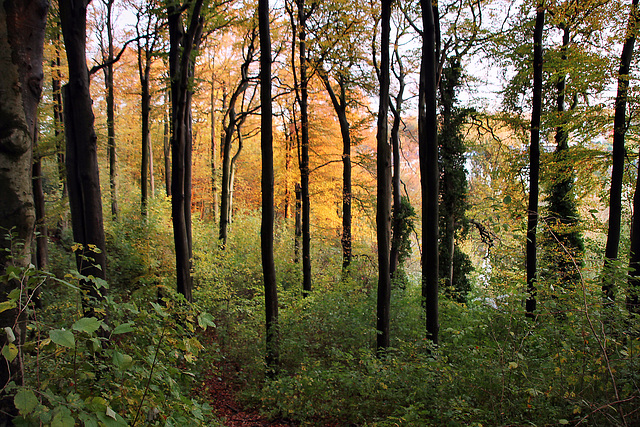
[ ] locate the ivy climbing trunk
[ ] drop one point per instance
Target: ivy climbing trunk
(22, 30)
(111, 128)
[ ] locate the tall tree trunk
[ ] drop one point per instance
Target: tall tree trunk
(617, 171)
(145, 108)
(633, 296)
(340, 107)
(42, 250)
(233, 123)
(183, 45)
(22, 29)
(395, 180)
(383, 210)
(214, 184)
(82, 154)
(111, 129)
(534, 163)
(298, 225)
(304, 155)
(166, 148)
(58, 119)
(429, 169)
(266, 230)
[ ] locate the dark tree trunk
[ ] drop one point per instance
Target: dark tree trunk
(429, 169)
(22, 30)
(42, 247)
(111, 129)
(383, 210)
(233, 123)
(167, 149)
(340, 107)
(288, 159)
(395, 182)
(298, 226)
(534, 163)
(145, 108)
(183, 45)
(266, 232)
(304, 152)
(633, 296)
(82, 154)
(619, 131)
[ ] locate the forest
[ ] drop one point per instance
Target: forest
(319, 213)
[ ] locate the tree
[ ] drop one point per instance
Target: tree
(617, 170)
(429, 169)
(534, 162)
(383, 209)
(266, 146)
(184, 43)
(146, 51)
(22, 31)
(231, 124)
(82, 155)
(299, 27)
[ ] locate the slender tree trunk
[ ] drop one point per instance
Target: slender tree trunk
(340, 107)
(183, 45)
(395, 183)
(383, 210)
(167, 149)
(429, 169)
(111, 130)
(266, 231)
(58, 119)
(42, 250)
(22, 30)
(214, 184)
(298, 225)
(304, 158)
(152, 179)
(617, 172)
(534, 162)
(288, 158)
(145, 104)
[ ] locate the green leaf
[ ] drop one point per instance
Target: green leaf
(205, 319)
(506, 200)
(121, 360)
(87, 324)
(111, 419)
(7, 305)
(10, 351)
(158, 308)
(62, 337)
(25, 401)
(123, 328)
(63, 418)
(88, 420)
(563, 421)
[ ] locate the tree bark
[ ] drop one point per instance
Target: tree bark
(183, 45)
(304, 152)
(167, 149)
(617, 171)
(22, 30)
(383, 209)
(534, 164)
(340, 106)
(429, 169)
(396, 219)
(145, 109)
(82, 153)
(214, 183)
(111, 127)
(266, 231)
(42, 247)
